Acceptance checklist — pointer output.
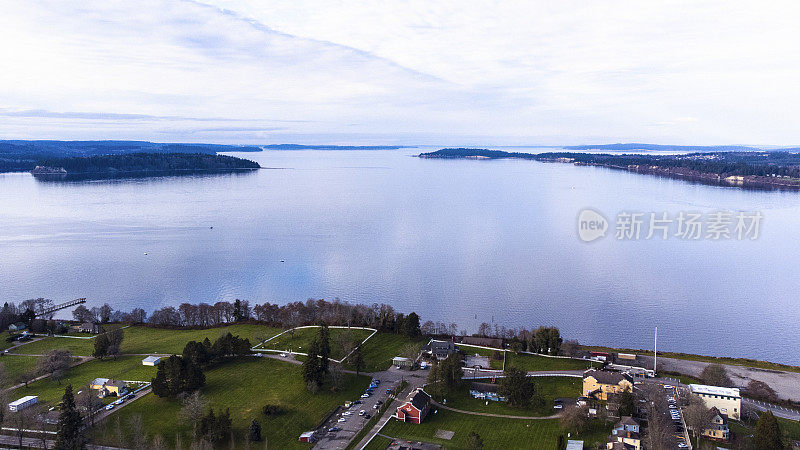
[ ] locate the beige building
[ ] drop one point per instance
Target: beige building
(727, 400)
(599, 383)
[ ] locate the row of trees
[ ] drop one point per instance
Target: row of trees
(106, 314)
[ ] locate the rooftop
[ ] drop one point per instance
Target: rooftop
(603, 377)
(574, 445)
(714, 390)
(23, 400)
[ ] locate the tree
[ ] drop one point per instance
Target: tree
(69, 435)
(115, 337)
(627, 403)
(411, 328)
(101, 343)
(715, 375)
(215, 427)
(697, 417)
(324, 338)
(575, 418)
(193, 409)
(55, 363)
(474, 441)
(177, 375)
(570, 347)
(104, 313)
(83, 315)
(358, 359)
(761, 391)
(255, 431)
(767, 434)
(90, 404)
(312, 368)
(26, 377)
(516, 387)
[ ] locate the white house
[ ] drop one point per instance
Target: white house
(24, 402)
(151, 361)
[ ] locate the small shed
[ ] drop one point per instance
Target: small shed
(308, 436)
(151, 361)
(24, 402)
(19, 326)
(402, 363)
(574, 445)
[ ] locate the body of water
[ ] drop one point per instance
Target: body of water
(465, 241)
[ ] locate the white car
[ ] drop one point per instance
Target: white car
(283, 355)
(111, 406)
(347, 413)
(672, 407)
(342, 420)
(559, 406)
(668, 386)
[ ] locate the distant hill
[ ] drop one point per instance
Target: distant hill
(329, 147)
(138, 164)
(22, 156)
(665, 148)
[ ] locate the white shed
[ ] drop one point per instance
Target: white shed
(151, 361)
(24, 402)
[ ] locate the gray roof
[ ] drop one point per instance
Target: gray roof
(604, 377)
(419, 399)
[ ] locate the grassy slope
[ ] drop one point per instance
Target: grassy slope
(150, 340)
(301, 340)
(124, 368)
(496, 432)
(536, 362)
(550, 388)
(14, 366)
(379, 350)
(245, 386)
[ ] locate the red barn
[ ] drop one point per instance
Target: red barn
(415, 408)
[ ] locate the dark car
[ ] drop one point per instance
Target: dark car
(334, 429)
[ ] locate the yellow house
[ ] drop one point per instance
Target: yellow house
(599, 383)
(108, 387)
(718, 428)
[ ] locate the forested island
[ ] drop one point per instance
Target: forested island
(778, 169)
(138, 165)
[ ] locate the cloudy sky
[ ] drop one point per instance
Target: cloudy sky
(406, 72)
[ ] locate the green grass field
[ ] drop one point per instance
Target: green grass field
(379, 350)
(300, 340)
(378, 443)
(244, 386)
(140, 340)
(128, 368)
(549, 387)
(496, 432)
(13, 367)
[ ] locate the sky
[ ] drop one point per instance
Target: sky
(401, 72)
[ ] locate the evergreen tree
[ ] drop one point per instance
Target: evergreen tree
(411, 326)
(311, 366)
(69, 435)
(255, 431)
(767, 434)
(324, 349)
(516, 387)
(358, 359)
(101, 343)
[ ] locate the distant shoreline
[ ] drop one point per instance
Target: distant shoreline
(774, 170)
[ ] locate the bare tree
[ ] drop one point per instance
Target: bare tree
(88, 402)
(138, 435)
(575, 418)
(193, 409)
(716, 375)
(158, 443)
(55, 363)
(697, 417)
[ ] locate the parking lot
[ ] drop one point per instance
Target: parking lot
(672, 409)
(349, 420)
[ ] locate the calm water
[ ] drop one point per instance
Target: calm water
(461, 241)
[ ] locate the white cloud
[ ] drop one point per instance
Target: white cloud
(418, 71)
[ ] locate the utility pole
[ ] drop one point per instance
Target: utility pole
(655, 352)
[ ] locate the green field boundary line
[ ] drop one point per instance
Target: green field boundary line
(338, 361)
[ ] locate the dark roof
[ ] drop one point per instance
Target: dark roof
(626, 420)
(715, 412)
(419, 399)
(483, 387)
(604, 377)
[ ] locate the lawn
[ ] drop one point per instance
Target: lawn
(127, 368)
(244, 386)
(469, 350)
(495, 432)
(79, 347)
(790, 429)
(139, 340)
(161, 340)
(378, 443)
(379, 350)
(13, 367)
(549, 387)
(300, 340)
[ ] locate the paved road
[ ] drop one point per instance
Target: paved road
(779, 411)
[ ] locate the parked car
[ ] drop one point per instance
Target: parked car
(334, 429)
(388, 391)
(347, 413)
(342, 420)
(558, 406)
(364, 395)
(668, 386)
(109, 407)
(283, 355)
(362, 412)
(367, 416)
